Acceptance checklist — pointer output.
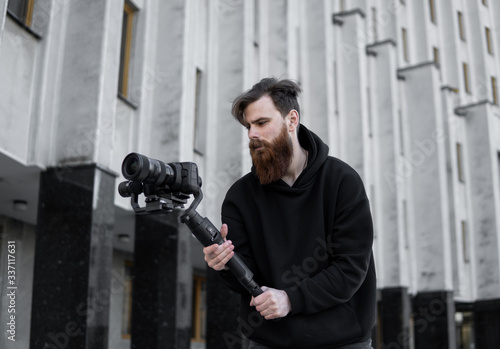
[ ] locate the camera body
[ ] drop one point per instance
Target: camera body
(165, 186)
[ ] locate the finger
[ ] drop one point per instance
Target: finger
(210, 249)
(220, 256)
(265, 303)
(211, 252)
(268, 310)
(261, 298)
(226, 259)
(214, 250)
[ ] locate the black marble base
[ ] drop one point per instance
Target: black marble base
(223, 307)
(394, 314)
(487, 323)
(73, 255)
(434, 320)
(156, 288)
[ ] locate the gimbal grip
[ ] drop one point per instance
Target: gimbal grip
(208, 235)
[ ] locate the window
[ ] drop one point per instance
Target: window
(461, 26)
(199, 119)
(464, 322)
(488, 40)
(494, 90)
(22, 10)
(126, 48)
(460, 163)
(256, 40)
(436, 54)
(405, 225)
(466, 77)
(405, 44)
(256, 23)
(198, 326)
(432, 11)
(299, 56)
(401, 139)
(374, 25)
(465, 239)
(127, 301)
(498, 157)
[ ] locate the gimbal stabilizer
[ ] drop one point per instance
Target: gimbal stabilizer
(168, 186)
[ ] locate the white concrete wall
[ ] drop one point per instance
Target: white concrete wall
(19, 60)
(397, 122)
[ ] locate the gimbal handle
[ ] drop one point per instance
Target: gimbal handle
(208, 235)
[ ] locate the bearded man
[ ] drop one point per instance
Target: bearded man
(301, 221)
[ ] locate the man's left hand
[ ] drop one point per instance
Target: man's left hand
(272, 304)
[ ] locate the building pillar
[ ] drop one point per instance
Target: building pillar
(161, 300)
(386, 192)
(3, 14)
(394, 318)
(84, 118)
(483, 226)
(317, 79)
(423, 171)
(225, 329)
(231, 158)
(73, 251)
(276, 38)
(487, 323)
(351, 71)
(434, 320)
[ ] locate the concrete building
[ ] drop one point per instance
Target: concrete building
(405, 91)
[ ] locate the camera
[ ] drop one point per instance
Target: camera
(164, 185)
(169, 186)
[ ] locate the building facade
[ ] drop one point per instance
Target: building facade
(405, 91)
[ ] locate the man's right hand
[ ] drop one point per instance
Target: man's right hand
(217, 256)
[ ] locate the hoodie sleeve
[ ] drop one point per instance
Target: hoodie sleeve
(350, 248)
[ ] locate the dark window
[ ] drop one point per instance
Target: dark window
(126, 48)
(22, 9)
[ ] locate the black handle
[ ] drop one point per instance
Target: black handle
(208, 235)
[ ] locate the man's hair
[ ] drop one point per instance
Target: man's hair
(282, 92)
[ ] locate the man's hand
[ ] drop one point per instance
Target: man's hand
(272, 304)
(217, 256)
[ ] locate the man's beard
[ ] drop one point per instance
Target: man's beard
(273, 160)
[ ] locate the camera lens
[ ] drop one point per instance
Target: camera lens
(132, 166)
(139, 167)
(135, 167)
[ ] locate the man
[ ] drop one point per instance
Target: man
(301, 222)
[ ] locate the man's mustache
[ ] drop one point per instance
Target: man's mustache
(255, 143)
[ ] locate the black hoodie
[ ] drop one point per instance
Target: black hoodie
(313, 240)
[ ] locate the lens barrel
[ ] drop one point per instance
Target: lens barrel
(138, 167)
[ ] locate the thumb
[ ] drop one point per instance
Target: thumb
(252, 301)
(223, 231)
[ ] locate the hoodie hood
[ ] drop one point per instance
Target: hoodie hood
(318, 153)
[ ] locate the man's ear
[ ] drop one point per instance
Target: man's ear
(292, 120)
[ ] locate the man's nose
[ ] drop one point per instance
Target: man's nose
(253, 133)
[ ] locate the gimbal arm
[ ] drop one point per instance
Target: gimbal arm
(208, 235)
